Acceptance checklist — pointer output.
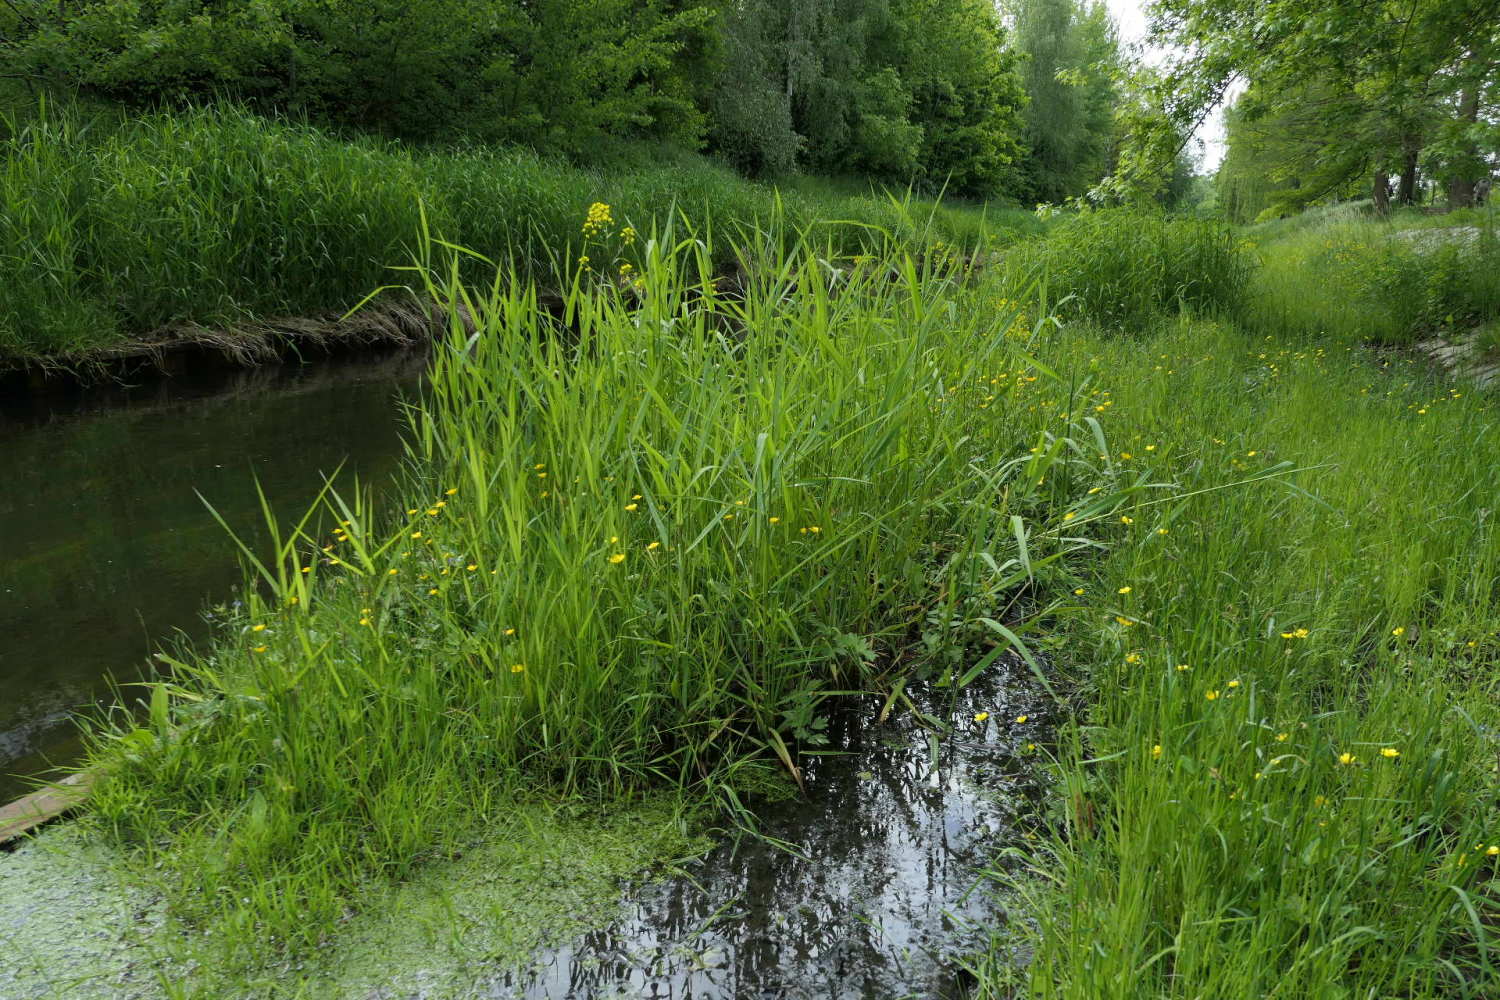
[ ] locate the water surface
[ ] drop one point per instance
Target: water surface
(883, 897)
(106, 549)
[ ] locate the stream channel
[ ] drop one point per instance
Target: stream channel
(107, 552)
(881, 894)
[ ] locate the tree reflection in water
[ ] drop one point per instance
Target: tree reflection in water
(885, 899)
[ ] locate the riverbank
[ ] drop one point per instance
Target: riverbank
(656, 551)
(110, 554)
(220, 227)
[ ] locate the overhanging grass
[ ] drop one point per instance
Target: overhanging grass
(115, 230)
(640, 545)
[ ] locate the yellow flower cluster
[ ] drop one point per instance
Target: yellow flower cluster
(599, 221)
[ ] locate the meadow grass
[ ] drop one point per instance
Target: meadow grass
(117, 230)
(1355, 278)
(651, 532)
(1284, 782)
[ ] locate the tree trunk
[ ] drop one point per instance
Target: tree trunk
(1380, 192)
(1461, 184)
(1406, 189)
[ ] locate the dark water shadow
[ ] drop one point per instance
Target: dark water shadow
(885, 897)
(106, 549)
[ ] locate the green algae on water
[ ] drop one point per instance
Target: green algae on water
(78, 920)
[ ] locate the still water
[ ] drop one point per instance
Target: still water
(107, 550)
(882, 895)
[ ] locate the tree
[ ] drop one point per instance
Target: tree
(906, 90)
(560, 74)
(1070, 65)
(1390, 77)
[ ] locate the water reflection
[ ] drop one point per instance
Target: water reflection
(883, 900)
(105, 547)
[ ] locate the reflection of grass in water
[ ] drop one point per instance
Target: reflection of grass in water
(108, 550)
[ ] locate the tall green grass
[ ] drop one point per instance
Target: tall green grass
(113, 230)
(1123, 269)
(1284, 782)
(644, 541)
(650, 531)
(1360, 279)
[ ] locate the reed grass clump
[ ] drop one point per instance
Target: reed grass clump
(1125, 268)
(644, 539)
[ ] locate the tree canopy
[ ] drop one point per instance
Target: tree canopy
(1340, 90)
(957, 94)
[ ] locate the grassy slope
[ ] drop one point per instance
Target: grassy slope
(1285, 782)
(113, 231)
(1247, 856)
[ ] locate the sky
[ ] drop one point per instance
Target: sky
(1130, 17)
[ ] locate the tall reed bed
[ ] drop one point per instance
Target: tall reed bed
(112, 230)
(645, 538)
(1122, 269)
(1284, 784)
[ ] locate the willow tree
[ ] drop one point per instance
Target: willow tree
(1070, 65)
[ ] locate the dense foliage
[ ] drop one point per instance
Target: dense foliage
(1071, 73)
(906, 90)
(217, 218)
(1343, 96)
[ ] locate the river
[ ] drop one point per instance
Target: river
(107, 550)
